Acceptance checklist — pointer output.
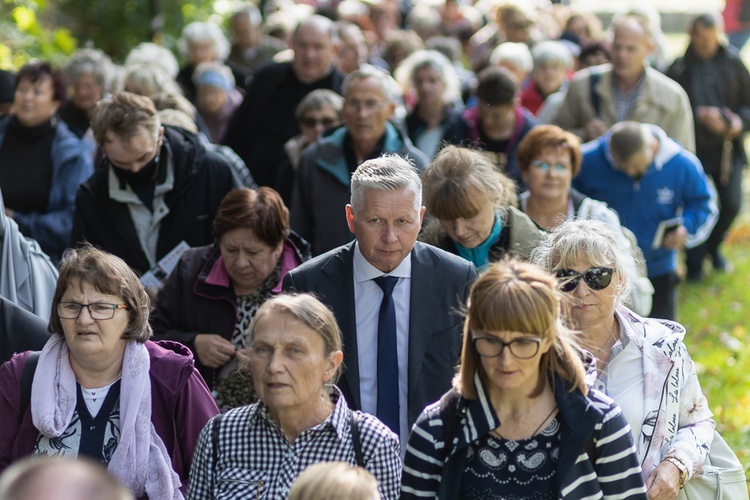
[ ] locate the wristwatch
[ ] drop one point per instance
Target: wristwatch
(681, 466)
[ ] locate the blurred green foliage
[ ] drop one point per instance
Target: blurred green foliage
(52, 30)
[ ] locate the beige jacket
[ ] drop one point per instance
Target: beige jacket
(661, 102)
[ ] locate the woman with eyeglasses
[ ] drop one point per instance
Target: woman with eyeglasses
(549, 158)
(520, 421)
(642, 363)
(100, 389)
(318, 111)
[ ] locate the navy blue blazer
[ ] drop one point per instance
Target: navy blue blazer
(440, 284)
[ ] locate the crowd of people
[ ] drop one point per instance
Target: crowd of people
(366, 250)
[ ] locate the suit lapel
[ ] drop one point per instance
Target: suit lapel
(337, 289)
(424, 289)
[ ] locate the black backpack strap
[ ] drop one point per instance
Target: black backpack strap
(593, 80)
(590, 449)
(26, 379)
(215, 438)
(453, 467)
(356, 439)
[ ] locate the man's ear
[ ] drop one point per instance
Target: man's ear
(350, 218)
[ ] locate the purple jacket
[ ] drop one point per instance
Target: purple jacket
(180, 406)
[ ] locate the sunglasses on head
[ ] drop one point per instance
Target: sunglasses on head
(597, 278)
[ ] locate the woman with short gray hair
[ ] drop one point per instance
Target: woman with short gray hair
(642, 363)
(429, 80)
(89, 72)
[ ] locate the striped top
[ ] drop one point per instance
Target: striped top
(614, 473)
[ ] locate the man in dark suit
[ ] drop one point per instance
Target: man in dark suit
(393, 379)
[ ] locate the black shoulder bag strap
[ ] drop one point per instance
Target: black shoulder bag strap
(215, 438)
(453, 467)
(26, 379)
(593, 80)
(356, 439)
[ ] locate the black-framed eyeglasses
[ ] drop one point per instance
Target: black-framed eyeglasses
(98, 310)
(491, 347)
(597, 278)
(312, 122)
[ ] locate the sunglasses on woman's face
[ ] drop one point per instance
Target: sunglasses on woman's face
(597, 278)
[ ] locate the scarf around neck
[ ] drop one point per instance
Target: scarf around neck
(480, 254)
(140, 461)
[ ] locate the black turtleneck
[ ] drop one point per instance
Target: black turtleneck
(26, 166)
(144, 181)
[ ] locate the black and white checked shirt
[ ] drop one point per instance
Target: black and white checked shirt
(255, 459)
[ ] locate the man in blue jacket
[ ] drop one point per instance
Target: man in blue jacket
(652, 181)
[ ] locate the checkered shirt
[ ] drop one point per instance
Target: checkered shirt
(624, 101)
(255, 460)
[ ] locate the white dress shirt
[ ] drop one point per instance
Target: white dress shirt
(367, 298)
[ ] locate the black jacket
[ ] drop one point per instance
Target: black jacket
(187, 305)
(734, 91)
(19, 330)
(201, 180)
(265, 119)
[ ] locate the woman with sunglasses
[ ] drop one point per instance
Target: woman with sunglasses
(520, 422)
(101, 389)
(549, 158)
(318, 111)
(642, 363)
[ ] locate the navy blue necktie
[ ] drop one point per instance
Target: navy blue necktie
(388, 409)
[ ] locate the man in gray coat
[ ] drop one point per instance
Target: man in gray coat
(321, 187)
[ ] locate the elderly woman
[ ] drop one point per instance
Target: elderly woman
(642, 363)
(89, 73)
(217, 98)
(203, 42)
(549, 158)
(434, 120)
(318, 111)
(552, 63)
(520, 421)
(214, 291)
(472, 209)
(43, 163)
(294, 357)
(101, 389)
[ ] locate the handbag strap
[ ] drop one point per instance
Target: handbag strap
(26, 379)
(356, 439)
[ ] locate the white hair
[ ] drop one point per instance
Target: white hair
(390, 172)
(204, 32)
(151, 53)
(432, 59)
(516, 53)
(552, 52)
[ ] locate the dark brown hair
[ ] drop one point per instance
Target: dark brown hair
(34, 72)
(262, 211)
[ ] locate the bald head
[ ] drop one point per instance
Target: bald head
(315, 44)
(54, 478)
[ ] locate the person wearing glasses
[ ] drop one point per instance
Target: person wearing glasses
(318, 111)
(549, 158)
(101, 389)
(472, 209)
(321, 188)
(642, 363)
(520, 420)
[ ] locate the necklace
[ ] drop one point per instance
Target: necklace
(544, 421)
(610, 339)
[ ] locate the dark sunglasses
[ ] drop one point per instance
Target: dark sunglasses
(597, 278)
(311, 122)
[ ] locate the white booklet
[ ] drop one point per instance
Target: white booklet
(154, 277)
(664, 228)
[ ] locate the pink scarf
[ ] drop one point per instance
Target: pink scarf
(141, 461)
